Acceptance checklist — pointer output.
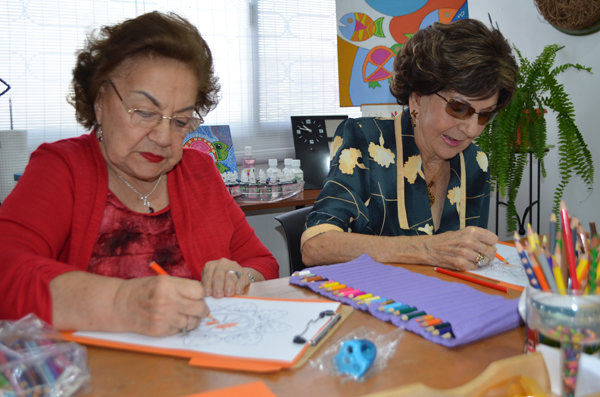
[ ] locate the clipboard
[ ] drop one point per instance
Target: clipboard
(202, 359)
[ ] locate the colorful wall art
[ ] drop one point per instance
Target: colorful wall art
(372, 32)
(216, 141)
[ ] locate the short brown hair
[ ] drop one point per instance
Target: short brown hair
(151, 34)
(463, 56)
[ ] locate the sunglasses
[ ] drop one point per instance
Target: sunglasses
(462, 111)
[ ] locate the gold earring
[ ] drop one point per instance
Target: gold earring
(414, 114)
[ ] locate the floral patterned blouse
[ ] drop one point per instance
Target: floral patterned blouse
(368, 192)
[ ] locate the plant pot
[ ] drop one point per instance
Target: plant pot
(518, 142)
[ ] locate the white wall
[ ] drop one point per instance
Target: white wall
(524, 27)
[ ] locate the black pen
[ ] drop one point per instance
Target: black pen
(325, 330)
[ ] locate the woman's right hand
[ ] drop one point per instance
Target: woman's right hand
(460, 249)
(161, 305)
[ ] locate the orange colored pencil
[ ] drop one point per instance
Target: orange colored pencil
(471, 279)
(157, 269)
(500, 258)
(537, 269)
(425, 318)
(161, 272)
(434, 321)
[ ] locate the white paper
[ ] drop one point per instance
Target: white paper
(246, 328)
(588, 381)
(513, 273)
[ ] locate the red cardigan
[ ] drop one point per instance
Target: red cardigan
(50, 221)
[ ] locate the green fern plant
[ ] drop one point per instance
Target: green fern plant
(537, 91)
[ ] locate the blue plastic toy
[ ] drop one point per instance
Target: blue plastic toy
(355, 357)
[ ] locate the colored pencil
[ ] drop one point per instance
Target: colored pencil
(433, 321)
(471, 279)
(437, 326)
(558, 277)
(500, 258)
(340, 291)
(367, 301)
(392, 306)
(568, 244)
(311, 279)
(160, 271)
(552, 232)
(406, 317)
(335, 287)
(442, 331)
(363, 296)
(355, 294)
(406, 310)
(425, 318)
(329, 284)
(547, 271)
(583, 239)
(593, 231)
(537, 269)
(157, 269)
(526, 264)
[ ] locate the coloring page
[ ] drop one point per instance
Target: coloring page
(512, 273)
(242, 328)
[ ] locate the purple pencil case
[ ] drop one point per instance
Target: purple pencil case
(472, 314)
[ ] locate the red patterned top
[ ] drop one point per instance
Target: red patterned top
(128, 241)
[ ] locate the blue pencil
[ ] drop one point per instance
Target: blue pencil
(528, 269)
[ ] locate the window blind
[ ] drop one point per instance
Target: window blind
(274, 58)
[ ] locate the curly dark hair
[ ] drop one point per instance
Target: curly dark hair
(153, 34)
(463, 56)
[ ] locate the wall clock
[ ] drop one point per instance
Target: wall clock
(312, 139)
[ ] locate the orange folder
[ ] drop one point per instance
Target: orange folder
(201, 359)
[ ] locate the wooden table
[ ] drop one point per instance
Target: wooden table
(305, 197)
(119, 373)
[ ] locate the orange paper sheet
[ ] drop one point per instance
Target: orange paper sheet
(254, 389)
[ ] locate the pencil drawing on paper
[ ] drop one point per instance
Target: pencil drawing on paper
(514, 269)
(240, 324)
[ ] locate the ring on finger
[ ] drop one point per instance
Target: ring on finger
(184, 331)
(236, 272)
(480, 260)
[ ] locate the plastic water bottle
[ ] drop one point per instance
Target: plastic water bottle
(248, 162)
(287, 165)
(272, 170)
(298, 173)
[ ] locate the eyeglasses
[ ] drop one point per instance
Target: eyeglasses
(149, 118)
(462, 111)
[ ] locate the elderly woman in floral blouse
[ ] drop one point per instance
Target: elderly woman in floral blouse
(415, 189)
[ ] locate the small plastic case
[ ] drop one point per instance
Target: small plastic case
(35, 361)
(355, 357)
(359, 355)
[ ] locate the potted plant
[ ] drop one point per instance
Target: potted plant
(524, 121)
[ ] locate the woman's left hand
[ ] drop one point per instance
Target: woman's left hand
(224, 278)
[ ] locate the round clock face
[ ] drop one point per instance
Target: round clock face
(310, 131)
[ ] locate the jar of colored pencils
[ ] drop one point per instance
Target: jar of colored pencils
(571, 318)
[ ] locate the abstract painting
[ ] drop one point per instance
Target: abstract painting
(370, 35)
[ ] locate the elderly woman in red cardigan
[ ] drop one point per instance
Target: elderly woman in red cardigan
(89, 215)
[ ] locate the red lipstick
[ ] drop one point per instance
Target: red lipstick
(153, 158)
